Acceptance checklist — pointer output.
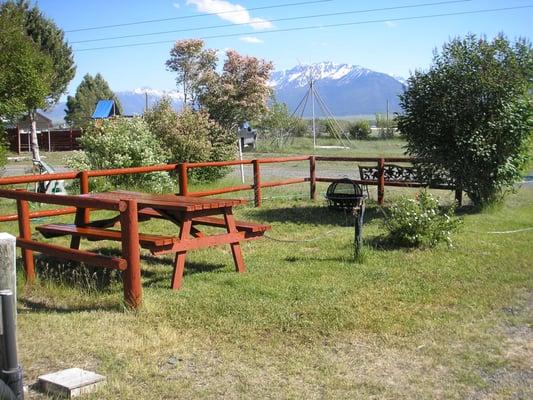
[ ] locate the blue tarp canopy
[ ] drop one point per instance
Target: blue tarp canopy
(105, 109)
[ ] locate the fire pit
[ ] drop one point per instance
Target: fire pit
(344, 194)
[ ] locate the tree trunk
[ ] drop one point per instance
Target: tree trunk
(34, 143)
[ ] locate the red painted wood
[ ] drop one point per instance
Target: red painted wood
(72, 254)
(179, 261)
(221, 223)
(312, 177)
(76, 201)
(145, 240)
(23, 210)
(257, 183)
(84, 189)
(235, 246)
(182, 170)
(199, 242)
(40, 214)
(132, 253)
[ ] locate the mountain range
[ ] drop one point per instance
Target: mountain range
(344, 89)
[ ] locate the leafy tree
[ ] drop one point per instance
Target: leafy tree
(386, 126)
(240, 93)
(191, 136)
(359, 130)
(26, 73)
(50, 40)
(470, 114)
(277, 124)
(195, 67)
(80, 107)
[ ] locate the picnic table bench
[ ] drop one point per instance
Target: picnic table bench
(187, 213)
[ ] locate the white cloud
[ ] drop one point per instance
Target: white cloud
(176, 4)
(234, 13)
(391, 24)
(250, 39)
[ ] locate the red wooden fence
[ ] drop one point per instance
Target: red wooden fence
(182, 168)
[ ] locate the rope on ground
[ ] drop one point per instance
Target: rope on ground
(299, 241)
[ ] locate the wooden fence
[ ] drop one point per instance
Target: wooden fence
(257, 186)
(52, 140)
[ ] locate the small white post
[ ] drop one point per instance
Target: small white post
(8, 269)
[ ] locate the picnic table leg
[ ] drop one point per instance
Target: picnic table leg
(79, 220)
(179, 262)
(236, 246)
(131, 252)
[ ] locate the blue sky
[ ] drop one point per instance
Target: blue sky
(393, 46)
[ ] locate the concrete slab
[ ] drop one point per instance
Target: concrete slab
(70, 382)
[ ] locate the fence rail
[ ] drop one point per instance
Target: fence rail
(182, 171)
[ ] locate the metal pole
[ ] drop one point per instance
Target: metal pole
(313, 108)
(240, 158)
(11, 371)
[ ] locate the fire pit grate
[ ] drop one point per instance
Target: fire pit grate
(344, 194)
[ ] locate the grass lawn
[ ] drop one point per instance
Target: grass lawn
(304, 321)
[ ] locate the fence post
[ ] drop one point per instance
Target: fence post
(312, 177)
(23, 210)
(257, 183)
(182, 170)
(131, 252)
(381, 180)
(84, 189)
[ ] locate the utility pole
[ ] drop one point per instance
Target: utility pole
(313, 108)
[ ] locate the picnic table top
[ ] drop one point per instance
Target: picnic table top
(181, 203)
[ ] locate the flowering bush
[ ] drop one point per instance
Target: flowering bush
(420, 222)
(122, 143)
(191, 136)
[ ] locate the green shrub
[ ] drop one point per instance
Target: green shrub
(387, 126)
(122, 143)
(359, 130)
(420, 222)
(191, 136)
(471, 114)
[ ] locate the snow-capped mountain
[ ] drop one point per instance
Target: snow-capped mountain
(134, 101)
(346, 89)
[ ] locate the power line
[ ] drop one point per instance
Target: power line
(419, 17)
(274, 20)
(149, 21)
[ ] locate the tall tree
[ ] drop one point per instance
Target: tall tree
(80, 107)
(471, 114)
(50, 40)
(195, 67)
(240, 93)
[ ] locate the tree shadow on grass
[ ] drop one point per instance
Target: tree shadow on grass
(321, 215)
(37, 307)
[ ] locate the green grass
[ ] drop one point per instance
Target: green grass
(305, 320)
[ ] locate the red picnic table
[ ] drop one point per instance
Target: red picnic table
(187, 213)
